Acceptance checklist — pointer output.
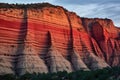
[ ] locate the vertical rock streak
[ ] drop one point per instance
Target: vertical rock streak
(56, 62)
(21, 39)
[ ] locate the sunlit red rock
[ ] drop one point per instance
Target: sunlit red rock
(51, 39)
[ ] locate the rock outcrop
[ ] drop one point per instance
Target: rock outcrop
(44, 38)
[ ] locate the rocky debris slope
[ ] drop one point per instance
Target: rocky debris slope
(45, 38)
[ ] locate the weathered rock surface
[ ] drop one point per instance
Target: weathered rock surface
(47, 38)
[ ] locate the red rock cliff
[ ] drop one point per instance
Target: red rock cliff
(47, 38)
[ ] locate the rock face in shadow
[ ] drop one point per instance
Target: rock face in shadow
(47, 38)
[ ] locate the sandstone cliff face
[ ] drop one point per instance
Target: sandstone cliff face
(51, 39)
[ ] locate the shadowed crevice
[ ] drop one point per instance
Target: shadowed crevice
(23, 28)
(71, 46)
(55, 60)
(49, 39)
(70, 43)
(97, 32)
(21, 39)
(49, 44)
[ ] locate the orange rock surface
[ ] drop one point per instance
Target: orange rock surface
(51, 39)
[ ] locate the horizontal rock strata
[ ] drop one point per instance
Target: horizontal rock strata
(50, 39)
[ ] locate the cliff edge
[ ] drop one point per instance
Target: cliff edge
(44, 38)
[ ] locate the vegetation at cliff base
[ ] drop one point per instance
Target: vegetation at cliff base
(101, 74)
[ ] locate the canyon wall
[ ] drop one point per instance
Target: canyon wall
(50, 39)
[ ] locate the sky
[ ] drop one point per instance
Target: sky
(85, 8)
